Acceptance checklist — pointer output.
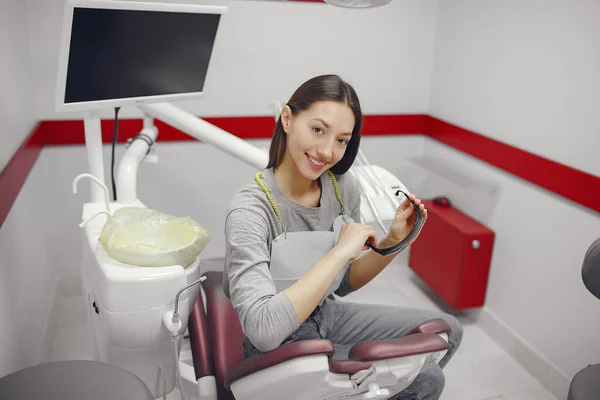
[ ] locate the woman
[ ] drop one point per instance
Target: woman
(293, 237)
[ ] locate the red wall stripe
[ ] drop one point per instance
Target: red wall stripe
(573, 184)
(70, 132)
(14, 174)
(394, 124)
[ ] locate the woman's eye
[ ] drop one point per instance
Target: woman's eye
(343, 141)
(318, 130)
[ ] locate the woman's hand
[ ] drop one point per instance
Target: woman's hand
(405, 220)
(353, 239)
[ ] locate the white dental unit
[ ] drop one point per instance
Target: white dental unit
(110, 57)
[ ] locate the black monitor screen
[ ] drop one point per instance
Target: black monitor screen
(118, 54)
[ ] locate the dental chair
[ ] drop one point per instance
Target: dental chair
(586, 383)
(303, 369)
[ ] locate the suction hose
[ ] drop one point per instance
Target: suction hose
(171, 319)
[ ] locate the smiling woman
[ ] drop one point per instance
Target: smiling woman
(333, 118)
(294, 238)
(322, 143)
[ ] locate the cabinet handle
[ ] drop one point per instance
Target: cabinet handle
(475, 244)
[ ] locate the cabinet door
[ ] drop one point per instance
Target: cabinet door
(476, 268)
(437, 257)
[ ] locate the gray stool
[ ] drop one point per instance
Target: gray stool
(73, 380)
(586, 383)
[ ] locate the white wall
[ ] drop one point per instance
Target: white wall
(266, 49)
(526, 73)
(21, 271)
(17, 111)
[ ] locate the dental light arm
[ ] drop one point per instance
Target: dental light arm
(208, 133)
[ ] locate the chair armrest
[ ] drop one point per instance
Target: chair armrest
(436, 325)
(276, 356)
(419, 343)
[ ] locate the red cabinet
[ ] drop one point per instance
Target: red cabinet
(452, 255)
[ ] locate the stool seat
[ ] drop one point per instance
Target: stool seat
(586, 384)
(73, 380)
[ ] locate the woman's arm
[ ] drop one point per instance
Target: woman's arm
(369, 266)
(306, 293)
(267, 317)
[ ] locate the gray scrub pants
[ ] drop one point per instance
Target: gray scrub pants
(346, 324)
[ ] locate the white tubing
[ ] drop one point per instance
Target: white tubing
(128, 166)
(87, 221)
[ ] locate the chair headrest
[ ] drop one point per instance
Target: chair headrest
(591, 269)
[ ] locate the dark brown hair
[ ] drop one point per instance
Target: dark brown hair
(321, 88)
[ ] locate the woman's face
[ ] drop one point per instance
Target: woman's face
(317, 137)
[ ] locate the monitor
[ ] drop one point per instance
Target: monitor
(119, 53)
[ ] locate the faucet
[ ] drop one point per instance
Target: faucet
(93, 178)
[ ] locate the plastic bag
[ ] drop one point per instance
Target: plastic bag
(149, 238)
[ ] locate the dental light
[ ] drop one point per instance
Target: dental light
(358, 3)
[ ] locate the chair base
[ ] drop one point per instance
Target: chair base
(310, 378)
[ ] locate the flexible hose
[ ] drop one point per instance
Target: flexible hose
(202, 279)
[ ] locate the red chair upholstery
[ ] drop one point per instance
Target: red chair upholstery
(224, 330)
(201, 348)
(220, 335)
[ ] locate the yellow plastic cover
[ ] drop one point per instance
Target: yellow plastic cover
(149, 238)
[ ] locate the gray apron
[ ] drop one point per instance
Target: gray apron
(293, 254)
